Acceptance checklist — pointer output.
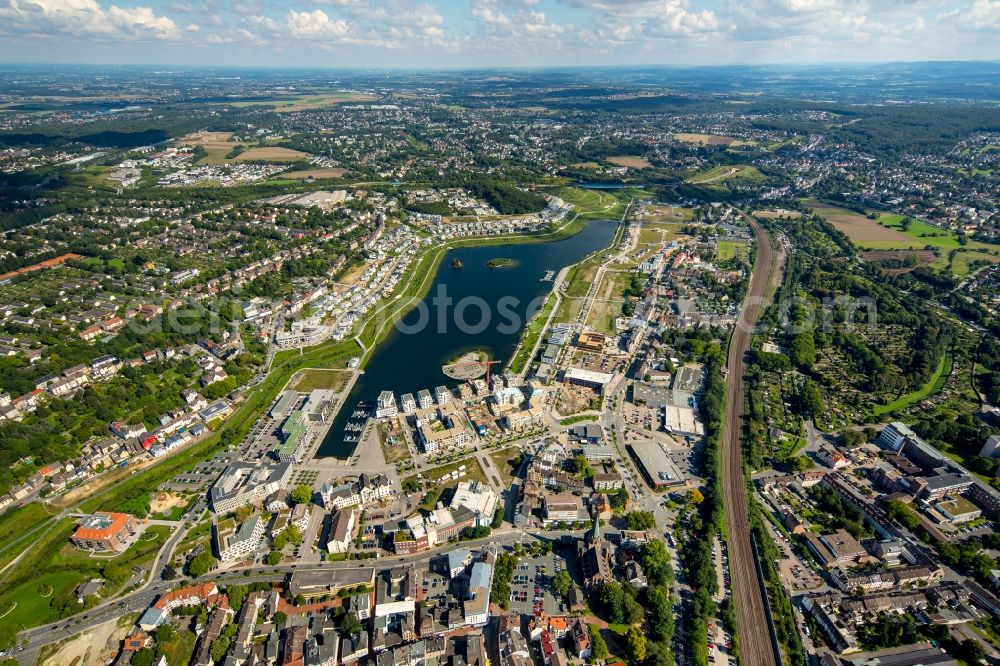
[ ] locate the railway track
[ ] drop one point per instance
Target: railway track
(756, 646)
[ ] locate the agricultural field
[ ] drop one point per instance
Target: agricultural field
(315, 174)
(709, 139)
(271, 154)
(721, 174)
(630, 161)
(887, 233)
(920, 258)
(778, 214)
(311, 379)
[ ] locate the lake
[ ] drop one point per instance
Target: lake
(451, 320)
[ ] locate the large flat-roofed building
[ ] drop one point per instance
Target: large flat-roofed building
(293, 437)
(477, 498)
(656, 465)
(682, 421)
(563, 507)
(919, 654)
(243, 483)
(689, 378)
(587, 378)
(837, 547)
(442, 434)
(312, 584)
(105, 531)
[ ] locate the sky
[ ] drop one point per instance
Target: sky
(495, 33)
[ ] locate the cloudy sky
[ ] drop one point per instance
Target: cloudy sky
(470, 33)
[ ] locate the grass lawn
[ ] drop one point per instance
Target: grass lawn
(961, 264)
(32, 608)
(179, 653)
(530, 335)
(320, 378)
(504, 459)
(19, 524)
(729, 250)
(656, 233)
(931, 386)
(473, 472)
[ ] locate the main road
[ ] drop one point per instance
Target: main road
(756, 648)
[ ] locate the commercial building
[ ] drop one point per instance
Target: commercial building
(656, 465)
(105, 531)
(836, 548)
(591, 341)
(587, 378)
(478, 498)
(243, 483)
(563, 508)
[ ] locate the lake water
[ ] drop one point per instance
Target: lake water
(411, 356)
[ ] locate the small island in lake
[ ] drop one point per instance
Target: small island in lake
(456, 263)
(500, 262)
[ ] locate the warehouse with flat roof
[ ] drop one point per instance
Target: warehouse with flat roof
(656, 465)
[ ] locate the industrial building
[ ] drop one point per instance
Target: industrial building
(656, 465)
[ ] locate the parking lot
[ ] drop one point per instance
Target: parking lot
(531, 589)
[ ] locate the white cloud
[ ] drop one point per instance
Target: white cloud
(316, 24)
(84, 18)
(980, 15)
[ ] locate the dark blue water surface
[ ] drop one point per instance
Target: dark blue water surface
(410, 358)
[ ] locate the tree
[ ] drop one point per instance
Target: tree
(581, 467)
(635, 645)
(237, 594)
(640, 520)
(620, 499)
(166, 635)
(695, 497)
(273, 558)
(802, 463)
(219, 648)
(631, 610)
(144, 657)
(201, 564)
(600, 646)
(302, 494)
(612, 601)
(279, 618)
(351, 625)
(562, 582)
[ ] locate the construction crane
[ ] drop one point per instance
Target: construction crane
(488, 364)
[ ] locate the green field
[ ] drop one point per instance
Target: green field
(730, 250)
(322, 378)
(721, 174)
